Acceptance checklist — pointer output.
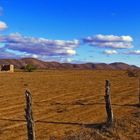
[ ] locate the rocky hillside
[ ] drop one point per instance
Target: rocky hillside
(20, 63)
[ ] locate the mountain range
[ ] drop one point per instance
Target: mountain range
(39, 64)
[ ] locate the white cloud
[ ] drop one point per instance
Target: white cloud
(110, 52)
(71, 52)
(134, 52)
(35, 56)
(6, 54)
(69, 60)
(3, 25)
(39, 47)
(109, 41)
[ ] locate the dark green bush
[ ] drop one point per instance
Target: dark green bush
(29, 68)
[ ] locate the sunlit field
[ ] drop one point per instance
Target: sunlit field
(66, 101)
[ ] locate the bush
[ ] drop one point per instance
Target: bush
(29, 68)
(133, 73)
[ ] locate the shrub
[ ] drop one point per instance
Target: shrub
(30, 68)
(133, 73)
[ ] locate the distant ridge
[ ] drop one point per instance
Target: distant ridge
(20, 63)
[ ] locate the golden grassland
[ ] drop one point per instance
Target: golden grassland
(67, 102)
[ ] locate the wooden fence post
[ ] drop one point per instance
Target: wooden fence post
(29, 116)
(108, 104)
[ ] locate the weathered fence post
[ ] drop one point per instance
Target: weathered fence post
(108, 104)
(29, 116)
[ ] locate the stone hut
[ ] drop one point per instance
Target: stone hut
(7, 68)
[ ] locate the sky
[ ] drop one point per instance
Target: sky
(75, 31)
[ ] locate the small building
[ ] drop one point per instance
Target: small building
(7, 68)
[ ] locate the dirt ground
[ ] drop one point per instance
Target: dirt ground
(67, 101)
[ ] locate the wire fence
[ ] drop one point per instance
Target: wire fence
(103, 99)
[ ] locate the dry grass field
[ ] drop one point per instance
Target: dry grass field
(66, 102)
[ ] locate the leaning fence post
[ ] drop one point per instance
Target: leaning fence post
(29, 116)
(108, 104)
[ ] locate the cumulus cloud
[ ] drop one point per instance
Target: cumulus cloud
(3, 25)
(37, 47)
(6, 54)
(109, 41)
(134, 52)
(110, 52)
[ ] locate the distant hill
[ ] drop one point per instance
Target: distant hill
(20, 63)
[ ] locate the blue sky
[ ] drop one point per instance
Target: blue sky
(76, 31)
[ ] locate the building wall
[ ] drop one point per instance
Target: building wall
(8, 68)
(11, 68)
